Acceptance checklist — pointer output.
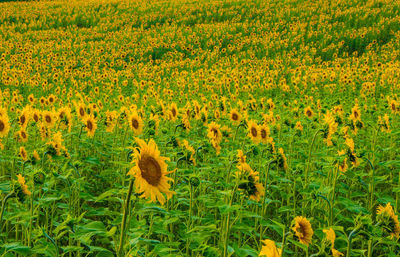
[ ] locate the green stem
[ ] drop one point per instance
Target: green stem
(123, 225)
(3, 207)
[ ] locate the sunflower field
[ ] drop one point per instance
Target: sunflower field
(200, 128)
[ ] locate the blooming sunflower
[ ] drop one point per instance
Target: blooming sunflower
(269, 249)
(24, 117)
(303, 230)
(49, 118)
(4, 125)
(173, 112)
(389, 219)
(235, 116)
(23, 154)
(150, 172)
(81, 110)
(355, 113)
(308, 112)
(21, 135)
(135, 123)
(265, 134)
(214, 132)
(91, 125)
(254, 131)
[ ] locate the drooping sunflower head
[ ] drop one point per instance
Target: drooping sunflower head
(269, 249)
(241, 157)
(389, 220)
(330, 236)
(302, 229)
(21, 189)
(150, 172)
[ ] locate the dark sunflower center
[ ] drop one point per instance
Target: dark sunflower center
(36, 117)
(254, 131)
(2, 125)
(89, 125)
(135, 123)
(235, 116)
(22, 119)
(48, 119)
(215, 132)
(151, 170)
(173, 112)
(308, 113)
(23, 134)
(81, 111)
(263, 133)
(355, 115)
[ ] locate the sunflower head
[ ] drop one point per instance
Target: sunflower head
(150, 172)
(389, 220)
(254, 131)
(269, 249)
(90, 125)
(4, 125)
(135, 123)
(302, 229)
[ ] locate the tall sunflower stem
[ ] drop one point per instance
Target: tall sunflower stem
(3, 207)
(123, 225)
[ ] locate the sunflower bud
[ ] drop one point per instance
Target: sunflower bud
(194, 181)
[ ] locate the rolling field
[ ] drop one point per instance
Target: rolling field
(200, 128)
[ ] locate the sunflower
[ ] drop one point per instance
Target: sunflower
(269, 249)
(330, 236)
(150, 172)
(21, 135)
(254, 131)
(91, 125)
(298, 126)
(56, 143)
(80, 110)
(36, 115)
(49, 118)
(241, 157)
(24, 117)
(4, 125)
(111, 120)
(355, 114)
(64, 115)
(308, 112)
(36, 155)
(214, 132)
(390, 221)
(264, 134)
(235, 116)
(303, 230)
(173, 112)
(135, 123)
(24, 187)
(394, 105)
(23, 154)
